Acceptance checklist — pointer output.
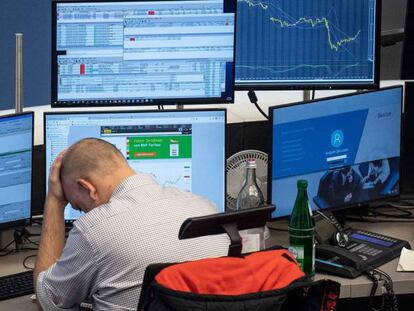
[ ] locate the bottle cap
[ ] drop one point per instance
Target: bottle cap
(302, 183)
(251, 163)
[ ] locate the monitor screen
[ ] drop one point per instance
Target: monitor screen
(346, 147)
(184, 149)
(16, 146)
(142, 52)
(302, 44)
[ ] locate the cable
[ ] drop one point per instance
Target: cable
(7, 246)
(340, 238)
(7, 253)
(25, 260)
(313, 94)
(389, 300)
(253, 100)
(408, 206)
(278, 229)
(371, 275)
(384, 214)
(374, 219)
(32, 242)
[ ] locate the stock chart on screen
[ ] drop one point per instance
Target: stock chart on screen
(288, 43)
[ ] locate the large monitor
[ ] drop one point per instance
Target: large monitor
(184, 149)
(303, 44)
(16, 146)
(346, 147)
(142, 52)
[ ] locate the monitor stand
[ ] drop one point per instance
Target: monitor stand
(307, 95)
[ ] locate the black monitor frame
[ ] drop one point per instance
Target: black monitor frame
(45, 114)
(139, 102)
(345, 206)
(407, 63)
(27, 221)
(271, 86)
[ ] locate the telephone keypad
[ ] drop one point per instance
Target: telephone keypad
(364, 249)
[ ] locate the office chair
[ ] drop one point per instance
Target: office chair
(269, 280)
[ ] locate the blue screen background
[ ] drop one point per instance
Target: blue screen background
(371, 127)
(305, 41)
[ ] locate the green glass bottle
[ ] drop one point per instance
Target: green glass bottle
(302, 231)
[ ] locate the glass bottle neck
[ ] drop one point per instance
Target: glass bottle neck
(302, 192)
(251, 176)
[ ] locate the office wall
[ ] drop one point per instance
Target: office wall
(33, 19)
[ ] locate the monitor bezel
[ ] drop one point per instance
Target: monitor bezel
(55, 103)
(24, 222)
(48, 113)
(345, 206)
(328, 85)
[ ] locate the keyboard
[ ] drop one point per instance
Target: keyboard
(16, 285)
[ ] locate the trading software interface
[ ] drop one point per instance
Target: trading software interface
(348, 148)
(16, 143)
(130, 52)
(285, 42)
(179, 149)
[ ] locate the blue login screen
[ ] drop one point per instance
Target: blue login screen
(347, 148)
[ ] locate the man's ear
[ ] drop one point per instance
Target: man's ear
(88, 187)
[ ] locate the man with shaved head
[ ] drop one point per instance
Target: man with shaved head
(130, 221)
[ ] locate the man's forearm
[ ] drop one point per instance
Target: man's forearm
(52, 237)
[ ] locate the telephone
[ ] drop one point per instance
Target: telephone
(351, 252)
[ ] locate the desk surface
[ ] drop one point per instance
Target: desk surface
(359, 287)
(13, 264)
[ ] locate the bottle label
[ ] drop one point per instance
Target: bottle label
(299, 252)
(303, 248)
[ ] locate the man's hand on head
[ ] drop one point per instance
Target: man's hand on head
(55, 190)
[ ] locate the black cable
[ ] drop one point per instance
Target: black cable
(7, 253)
(402, 215)
(375, 215)
(371, 275)
(389, 300)
(313, 94)
(25, 260)
(278, 229)
(7, 246)
(253, 100)
(32, 242)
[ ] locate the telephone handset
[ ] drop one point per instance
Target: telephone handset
(339, 261)
(362, 251)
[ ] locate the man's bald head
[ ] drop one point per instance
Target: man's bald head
(91, 156)
(90, 170)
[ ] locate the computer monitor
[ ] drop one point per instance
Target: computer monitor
(346, 147)
(16, 146)
(302, 44)
(184, 149)
(142, 52)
